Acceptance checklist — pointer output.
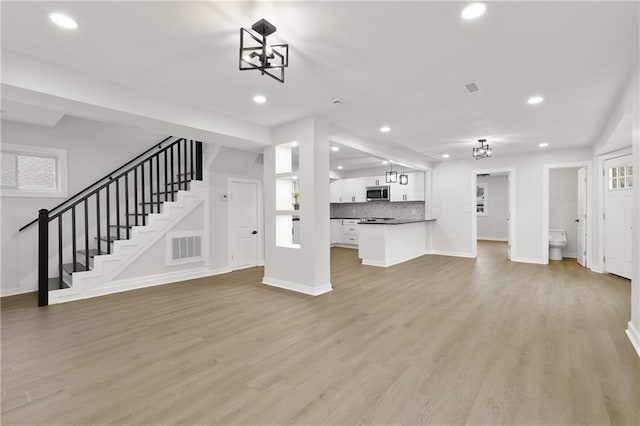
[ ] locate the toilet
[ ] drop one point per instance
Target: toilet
(557, 241)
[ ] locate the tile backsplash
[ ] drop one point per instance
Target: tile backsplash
(403, 210)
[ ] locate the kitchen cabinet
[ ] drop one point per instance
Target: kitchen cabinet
(354, 190)
(336, 231)
(412, 191)
(350, 231)
(376, 181)
(335, 191)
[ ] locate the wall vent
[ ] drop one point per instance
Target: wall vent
(472, 87)
(184, 248)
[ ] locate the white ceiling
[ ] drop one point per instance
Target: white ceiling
(402, 64)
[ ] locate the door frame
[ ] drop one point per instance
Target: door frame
(602, 187)
(546, 168)
(511, 176)
(260, 216)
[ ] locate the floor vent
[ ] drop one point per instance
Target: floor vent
(471, 88)
(184, 248)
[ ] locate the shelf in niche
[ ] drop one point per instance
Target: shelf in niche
(289, 212)
(287, 175)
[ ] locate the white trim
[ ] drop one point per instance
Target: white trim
(62, 170)
(136, 283)
(531, 260)
(14, 291)
(634, 336)
(506, 240)
(391, 262)
(545, 207)
(347, 246)
(453, 254)
(260, 219)
(299, 288)
(511, 173)
(596, 269)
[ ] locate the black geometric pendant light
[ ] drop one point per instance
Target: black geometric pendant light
(257, 54)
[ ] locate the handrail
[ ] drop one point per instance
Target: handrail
(108, 176)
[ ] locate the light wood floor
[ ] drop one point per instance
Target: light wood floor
(437, 340)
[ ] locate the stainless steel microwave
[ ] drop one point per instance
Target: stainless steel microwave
(378, 193)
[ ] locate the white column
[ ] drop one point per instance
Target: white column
(302, 267)
(633, 329)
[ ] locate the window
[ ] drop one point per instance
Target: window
(621, 177)
(28, 171)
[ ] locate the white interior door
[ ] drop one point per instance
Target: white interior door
(244, 224)
(582, 216)
(617, 215)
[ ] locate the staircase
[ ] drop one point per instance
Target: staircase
(89, 237)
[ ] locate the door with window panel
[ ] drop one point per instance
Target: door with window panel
(617, 215)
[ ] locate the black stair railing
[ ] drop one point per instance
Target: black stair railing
(150, 179)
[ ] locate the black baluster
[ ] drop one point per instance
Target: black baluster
(186, 156)
(166, 182)
(179, 163)
(126, 202)
(43, 257)
(158, 181)
(60, 252)
(118, 208)
(73, 238)
(135, 194)
(144, 218)
(198, 160)
(98, 221)
(86, 233)
(173, 193)
(193, 155)
(108, 221)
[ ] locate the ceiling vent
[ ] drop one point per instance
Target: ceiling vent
(471, 88)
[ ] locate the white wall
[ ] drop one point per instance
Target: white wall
(454, 196)
(495, 226)
(93, 148)
(563, 206)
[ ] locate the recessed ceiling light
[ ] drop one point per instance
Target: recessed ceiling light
(385, 129)
(534, 100)
(543, 145)
(294, 144)
(294, 177)
(445, 155)
(340, 167)
(335, 148)
(64, 21)
(474, 10)
(385, 162)
(259, 99)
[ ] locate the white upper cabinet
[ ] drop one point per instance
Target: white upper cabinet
(412, 191)
(354, 190)
(376, 181)
(335, 191)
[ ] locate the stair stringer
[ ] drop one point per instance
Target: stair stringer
(106, 267)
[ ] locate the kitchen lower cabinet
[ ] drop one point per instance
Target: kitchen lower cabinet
(336, 231)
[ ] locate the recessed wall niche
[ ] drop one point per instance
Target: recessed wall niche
(288, 200)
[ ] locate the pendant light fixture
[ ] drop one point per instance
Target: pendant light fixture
(257, 54)
(404, 179)
(391, 176)
(483, 151)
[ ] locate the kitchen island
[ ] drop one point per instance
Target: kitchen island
(389, 242)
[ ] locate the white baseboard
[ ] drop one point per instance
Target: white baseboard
(634, 336)
(389, 263)
(136, 283)
(492, 239)
(570, 256)
(15, 291)
(597, 269)
(529, 260)
(453, 253)
(349, 246)
(299, 288)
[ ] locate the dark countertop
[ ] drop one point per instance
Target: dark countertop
(340, 217)
(396, 221)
